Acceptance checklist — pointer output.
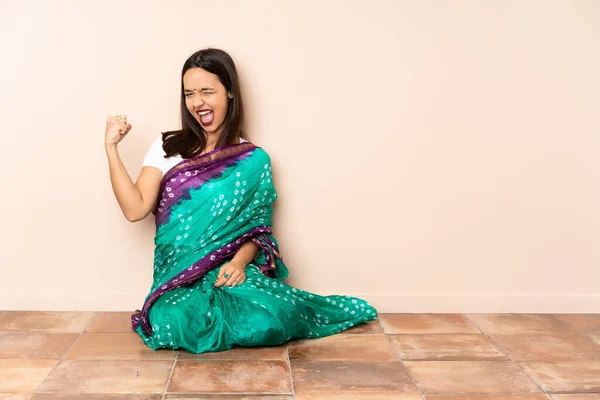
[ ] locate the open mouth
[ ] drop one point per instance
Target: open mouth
(206, 117)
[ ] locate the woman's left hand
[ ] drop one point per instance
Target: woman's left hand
(236, 274)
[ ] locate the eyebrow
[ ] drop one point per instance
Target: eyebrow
(203, 89)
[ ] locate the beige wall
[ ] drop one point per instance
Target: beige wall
(430, 156)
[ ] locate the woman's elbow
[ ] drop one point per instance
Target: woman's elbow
(134, 217)
(137, 216)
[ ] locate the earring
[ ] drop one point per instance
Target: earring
(230, 95)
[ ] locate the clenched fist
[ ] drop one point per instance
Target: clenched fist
(116, 129)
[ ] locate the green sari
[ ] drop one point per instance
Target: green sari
(208, 207)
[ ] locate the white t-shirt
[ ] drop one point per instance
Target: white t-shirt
(155, 157)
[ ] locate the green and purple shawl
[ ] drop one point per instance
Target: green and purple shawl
(208, 207)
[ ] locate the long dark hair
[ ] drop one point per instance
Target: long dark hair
(190, 140)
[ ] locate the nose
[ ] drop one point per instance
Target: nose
(197, 100)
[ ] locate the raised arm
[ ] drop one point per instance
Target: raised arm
(135, 199)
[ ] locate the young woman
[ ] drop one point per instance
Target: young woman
(218, 271)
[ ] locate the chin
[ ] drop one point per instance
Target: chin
(214, 128)
(210, 130)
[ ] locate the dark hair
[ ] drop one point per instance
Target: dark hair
(190, 140)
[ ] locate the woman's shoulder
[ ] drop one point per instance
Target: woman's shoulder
(156, 146)
(261, 155)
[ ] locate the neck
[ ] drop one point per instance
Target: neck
(211, 141)
(212, 138)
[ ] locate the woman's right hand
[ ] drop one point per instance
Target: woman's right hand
(116, 129)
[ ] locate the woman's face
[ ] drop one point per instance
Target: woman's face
(205, 98)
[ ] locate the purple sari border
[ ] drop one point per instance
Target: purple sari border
(177, 187)
(202, 158)
(271, 252)
(175, 194)
(258, 235)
